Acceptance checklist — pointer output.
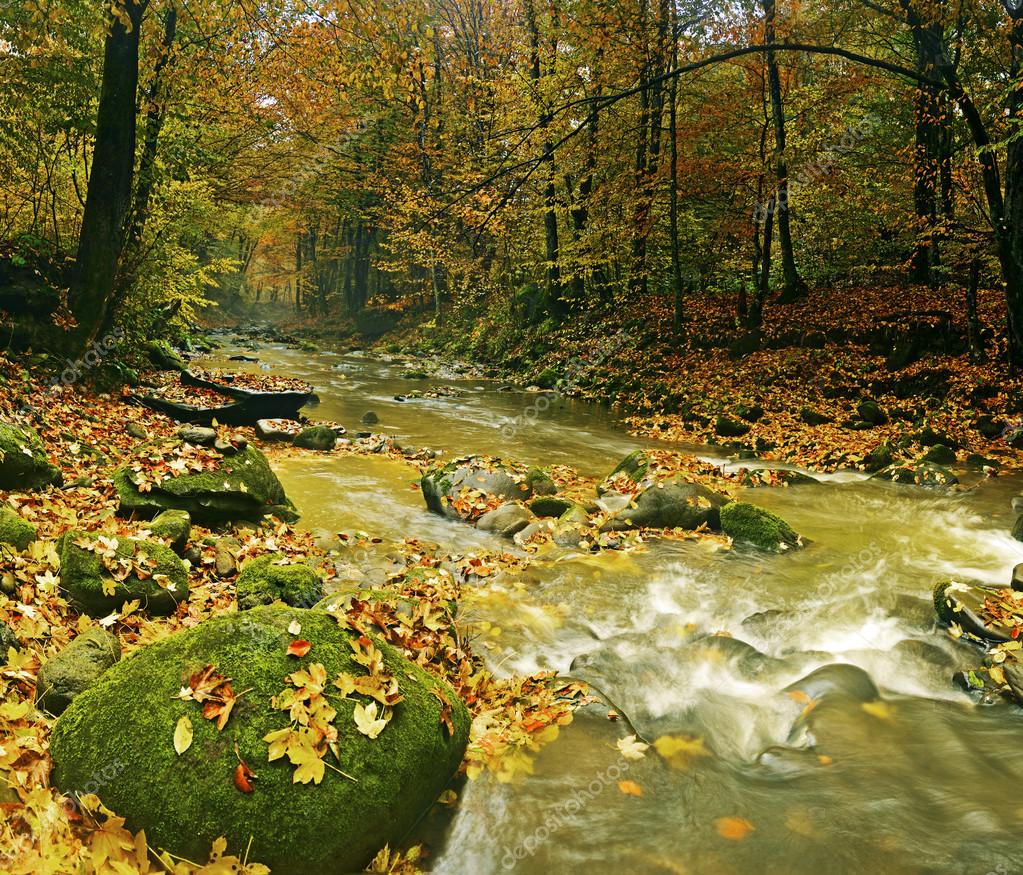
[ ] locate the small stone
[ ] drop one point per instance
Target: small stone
(133, 429)
(175, 526)
(8, 639)
(369, 418)
(197, 435)
(319, 437)
(224, 553)
(15, 531)
(507, 520)
(77, 667)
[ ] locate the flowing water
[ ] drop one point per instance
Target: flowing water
(889, 769)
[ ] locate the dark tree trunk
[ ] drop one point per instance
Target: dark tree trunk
(794, 287)
(101, 241)
(974, 332)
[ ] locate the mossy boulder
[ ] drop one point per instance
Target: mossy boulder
(490, 479)
(175, 526)
(163, 357)
(242, 487)
(550, 506)
(813, 417)
(725, 426)
(23, 462)
(77, 667)
(870, 411)
(15, 531)
(749, 412)
(748, 524)
(318, 437)
(878, 458)
(675, 504)
(540, 482)
(633, 467)
(159, 579)
(185, 802)
(265, 580)
(939, 454)
(918, 474)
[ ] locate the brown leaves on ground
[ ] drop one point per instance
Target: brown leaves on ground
(213, 691)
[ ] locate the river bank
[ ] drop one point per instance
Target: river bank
(760, 680)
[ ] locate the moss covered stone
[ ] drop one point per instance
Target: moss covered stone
(318, 437)
(77, 667)
(962, 602)
(540, 482)
(175, 526)
(83, 576)
(23, 462)
(185, 802)
(634, 466)
(243, 487)
(263, 581)
(8, 639)
(550, 506)
(918, 474)
(940, 454)
(749, 524)
(15, 531)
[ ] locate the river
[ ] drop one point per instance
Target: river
(790, 774)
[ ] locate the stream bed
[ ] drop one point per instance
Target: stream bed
(823, 736)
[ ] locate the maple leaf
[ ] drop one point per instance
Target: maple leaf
(632, 749)
(299, 648)
(243, 777)
(366, 720)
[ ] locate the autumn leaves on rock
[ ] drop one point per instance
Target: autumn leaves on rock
(371, 783)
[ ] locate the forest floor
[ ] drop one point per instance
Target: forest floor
(796, 398)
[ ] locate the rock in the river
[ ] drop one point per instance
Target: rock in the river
(962, 603)
(918, 474)
(369, 418)
(158, 579)
(550, 506)
(241, 487)
(15, 531)
(77, 667)
(748, 524)
(724, 426)
(175, 526)
(1017, 528)
(264, 581)
(838, 679)
(540, 482)
(507, 520)
(184, 802)
(197, 435)
(490, 479)
(633, 467)
(318, 437)
(675, 504)
(277, 429)
(1017, 578)
(878, 458)
(23, 462)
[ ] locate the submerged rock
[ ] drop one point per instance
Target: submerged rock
(23, 462)
(676, 504)
(838, 679)
(15, 531)
(749, 524)
(158, 579)
(184, 802)
(241, 487)
(77, 667)
(264, 581)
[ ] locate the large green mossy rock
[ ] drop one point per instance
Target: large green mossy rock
(23, 462)
(264, 581)
(748, 524)
(175, 526)
(14, 531)
(185, 802)
(76, 668)
(243, 487)
(159, 579)
(676, 504)
(488, 478)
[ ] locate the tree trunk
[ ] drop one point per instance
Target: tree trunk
(101, 241)
(794, 287)
(676, 258)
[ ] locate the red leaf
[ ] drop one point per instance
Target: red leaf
(299, 648)
(243, 777)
